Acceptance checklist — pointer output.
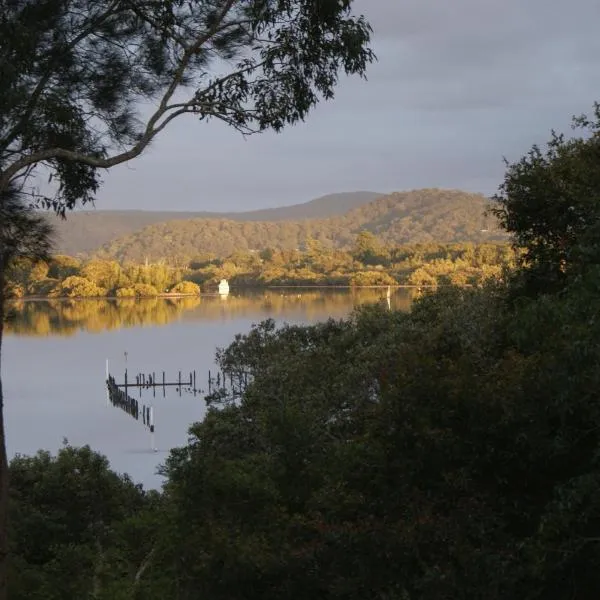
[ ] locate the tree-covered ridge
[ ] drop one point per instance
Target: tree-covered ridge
(429, 215)
(83, 232)
(368, 263)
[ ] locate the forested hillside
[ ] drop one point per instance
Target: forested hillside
(429, 215)
(85, 231)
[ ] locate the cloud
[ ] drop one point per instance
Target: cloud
(457, 86)
(482, 53)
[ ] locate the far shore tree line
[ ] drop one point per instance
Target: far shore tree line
(369, 263)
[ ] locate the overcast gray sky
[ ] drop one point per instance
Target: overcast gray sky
(458, 85)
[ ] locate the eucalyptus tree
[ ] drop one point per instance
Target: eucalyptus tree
(89, 84)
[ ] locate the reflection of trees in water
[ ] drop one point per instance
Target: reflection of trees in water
(67, 317)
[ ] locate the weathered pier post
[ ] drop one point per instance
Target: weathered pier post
(151, 420)
(107, 384)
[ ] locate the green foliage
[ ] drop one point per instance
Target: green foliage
(62, 266)
(126, 292)
(145, 290)
(366, 278)
(549, 202)
(445, 453)
(368, 250)
(421, 276)
(77, 527)
(105, 274)
(187, 288)
(80, 287)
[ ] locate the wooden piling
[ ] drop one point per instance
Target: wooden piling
(107, 386)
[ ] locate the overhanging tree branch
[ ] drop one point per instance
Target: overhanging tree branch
(151, 129)
(71, 103)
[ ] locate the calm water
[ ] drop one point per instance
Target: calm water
(55, 355)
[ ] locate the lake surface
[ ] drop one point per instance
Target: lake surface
(55, 353)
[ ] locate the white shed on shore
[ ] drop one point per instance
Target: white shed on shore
(223, 287)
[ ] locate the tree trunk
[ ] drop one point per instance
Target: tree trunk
(3, 462)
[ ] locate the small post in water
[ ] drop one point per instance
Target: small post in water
(107, 388)
(151, 420)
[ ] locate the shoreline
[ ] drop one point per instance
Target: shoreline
(232, 292)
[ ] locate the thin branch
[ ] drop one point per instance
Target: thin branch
(187, 56)
(143, 567)
(221, 80)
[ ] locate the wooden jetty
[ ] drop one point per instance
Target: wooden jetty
(220, 381)
(120, 399)
(149, 381)
(221, 388)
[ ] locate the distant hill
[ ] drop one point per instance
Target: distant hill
(85, 231)
(429, 215)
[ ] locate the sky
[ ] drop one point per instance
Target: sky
(457, 87)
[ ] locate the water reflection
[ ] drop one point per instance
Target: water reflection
(67, 317)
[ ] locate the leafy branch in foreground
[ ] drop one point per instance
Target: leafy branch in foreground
(78, 76)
